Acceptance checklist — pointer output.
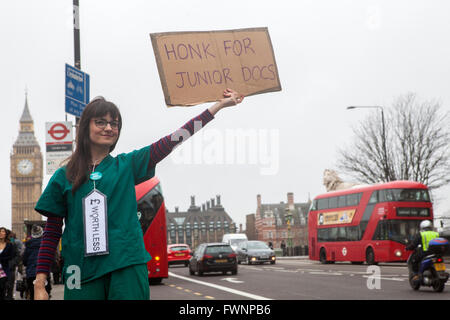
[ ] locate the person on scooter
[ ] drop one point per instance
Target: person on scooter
(422, 238)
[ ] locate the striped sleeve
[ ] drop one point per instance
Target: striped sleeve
(49, 244)
(164, 146)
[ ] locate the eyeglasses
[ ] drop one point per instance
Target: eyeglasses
(101, 124)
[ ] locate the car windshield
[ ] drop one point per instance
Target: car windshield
(179, 248)
(257, 245)
(238, 242)
(218, 249)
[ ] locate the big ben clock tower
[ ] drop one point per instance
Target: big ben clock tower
(26, 174)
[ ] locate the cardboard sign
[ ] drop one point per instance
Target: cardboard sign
(195, 67)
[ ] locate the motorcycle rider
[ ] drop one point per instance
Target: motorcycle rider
(422, 238)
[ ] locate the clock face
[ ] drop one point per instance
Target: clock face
(25, 166)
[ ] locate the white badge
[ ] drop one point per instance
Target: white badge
(95, 224)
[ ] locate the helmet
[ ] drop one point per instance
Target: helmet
(426, 224)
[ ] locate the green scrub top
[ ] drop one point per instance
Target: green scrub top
(126, 246)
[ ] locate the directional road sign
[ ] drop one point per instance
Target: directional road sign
(77, 90)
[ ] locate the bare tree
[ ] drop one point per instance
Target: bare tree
(417, 145)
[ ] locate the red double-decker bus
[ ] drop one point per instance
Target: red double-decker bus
(370, 223)
(152, 216)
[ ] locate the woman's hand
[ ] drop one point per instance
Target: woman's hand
(231, 98)
(40, 293)
(39, 287)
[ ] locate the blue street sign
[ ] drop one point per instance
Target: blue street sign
(77, 90)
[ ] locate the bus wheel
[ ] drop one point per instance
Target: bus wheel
(370, 256)
(323, 256)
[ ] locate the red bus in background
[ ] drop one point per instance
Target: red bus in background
(152, 216)
(370, 223)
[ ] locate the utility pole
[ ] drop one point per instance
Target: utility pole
(76, 33)
(76, 39)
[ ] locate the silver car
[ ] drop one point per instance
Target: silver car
(256, 252)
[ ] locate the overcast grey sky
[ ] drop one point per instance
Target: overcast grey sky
(330, 54)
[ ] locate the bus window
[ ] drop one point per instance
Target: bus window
(353, 199)
(374, 197)
(341, 234)
(333, 235)
(407, 195)
(401, 231)
(353, 233)
(322, 204)
(342, 201)
(333, 202)
(148, 206)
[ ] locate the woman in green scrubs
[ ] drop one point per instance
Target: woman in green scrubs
(104, 255)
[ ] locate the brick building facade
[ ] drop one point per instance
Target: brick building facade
(279, 222)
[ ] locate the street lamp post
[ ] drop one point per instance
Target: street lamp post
(288, 218)
(76, 40)
(385, 157)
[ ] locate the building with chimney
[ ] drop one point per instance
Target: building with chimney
(197, 225)
(281, 222)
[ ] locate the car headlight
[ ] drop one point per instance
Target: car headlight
(398, 253)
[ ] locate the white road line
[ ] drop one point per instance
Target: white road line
(384, 278)
(326, 273)
(274, 268)
(216, 286)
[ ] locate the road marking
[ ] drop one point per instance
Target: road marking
(384, 278)
(291, 271)
(327, 273)
(274, 268)
(252, 268)
(216, 286)
(232, 280)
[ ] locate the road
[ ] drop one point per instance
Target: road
(300, 279)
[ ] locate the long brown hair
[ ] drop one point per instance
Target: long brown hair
(78, 165)
(6, 235)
